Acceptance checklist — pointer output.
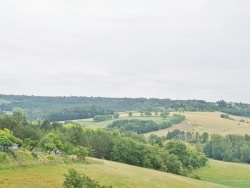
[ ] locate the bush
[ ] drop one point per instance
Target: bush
(196, 177)
(34, 155)
(99, 118)
(2, 157)
(116, 115)
(11, 153)
(50, 157)
(148, 113)
(76, 180)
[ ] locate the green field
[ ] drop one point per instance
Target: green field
(210, 122)
(106, 172)
(90, 123)
(225, 173)
(2, 101)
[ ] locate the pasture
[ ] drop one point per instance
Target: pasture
(210, 122)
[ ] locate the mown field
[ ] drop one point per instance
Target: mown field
(210, 122)
(225, 173)
(106, 172)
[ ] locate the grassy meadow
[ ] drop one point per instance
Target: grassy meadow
(210, 122)
(225, 173)
(90, 123)
(106, 172)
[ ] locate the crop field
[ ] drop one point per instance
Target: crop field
(106, 172)
(225, 173)
(210, 122)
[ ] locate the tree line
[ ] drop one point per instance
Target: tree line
(82, 112)
(144, 126)
(37, 106)
(231, 148)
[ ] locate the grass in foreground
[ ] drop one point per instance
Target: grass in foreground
(106, 172)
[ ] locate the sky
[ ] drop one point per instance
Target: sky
(177, 49)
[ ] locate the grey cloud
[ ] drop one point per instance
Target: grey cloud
(167, 49)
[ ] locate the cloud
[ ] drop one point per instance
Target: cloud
(167, 49)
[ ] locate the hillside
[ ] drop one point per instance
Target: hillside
(106, 172)
(210, 122)
(225, 173)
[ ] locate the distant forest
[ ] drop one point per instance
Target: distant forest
(66, 108)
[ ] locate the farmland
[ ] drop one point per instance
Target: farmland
(210, 122)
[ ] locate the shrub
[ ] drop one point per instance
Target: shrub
(50, 157)
(196, 177)
(74, 179)
(11, 153)
(116, 115)
(2, 157)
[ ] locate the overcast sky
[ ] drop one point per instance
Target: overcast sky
(178, 49)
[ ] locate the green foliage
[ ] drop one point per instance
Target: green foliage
(11, 153)
(188, 155)
(50, 157)
(130, 114)
(148, 113)
(30, 144)
(75, 180)
(225, 116)
(99, 118)
(50, 142)
(80, 152)
(116, 115)
(65, 108)
(229, 148)
(7, 139)
(76, 113)
(165, 113)
(143, 126)
(2, 157)
(126, 146)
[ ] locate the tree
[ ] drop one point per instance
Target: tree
(30, 144)
(81, 152)
(116, 115)
(19, 118)
(51, 142)
(204, 137)
(5, 143)
(130, 114)
(148, 113)
(6, 133)
(165, 113)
